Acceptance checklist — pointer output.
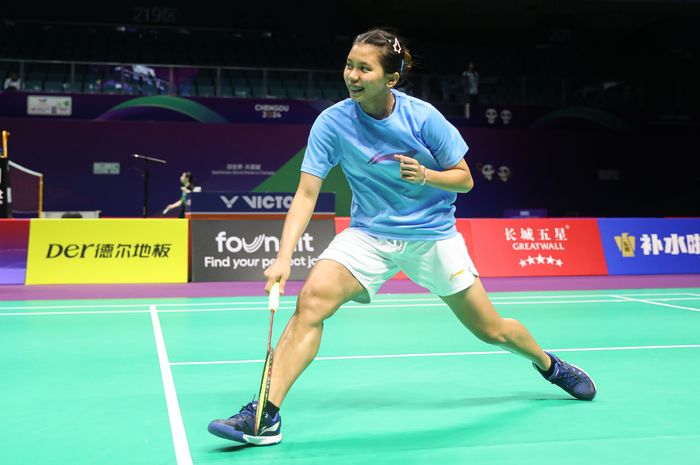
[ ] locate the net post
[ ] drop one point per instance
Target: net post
(5, 192)
(41, 196)
(5, 135)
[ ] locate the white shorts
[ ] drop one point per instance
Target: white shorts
(443, 267)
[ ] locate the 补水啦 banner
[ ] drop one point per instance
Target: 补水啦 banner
(651, 245)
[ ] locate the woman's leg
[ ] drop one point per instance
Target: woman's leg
(474, 309)
(328, 286)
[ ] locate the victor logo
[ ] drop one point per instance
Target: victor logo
(260, 202)
(228, 202)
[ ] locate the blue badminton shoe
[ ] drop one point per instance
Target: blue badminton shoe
(570, 378)
(239, 427)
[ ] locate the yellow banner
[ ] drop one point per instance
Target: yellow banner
(101, 251)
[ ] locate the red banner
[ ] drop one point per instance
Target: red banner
(537, 247)
(14, 240)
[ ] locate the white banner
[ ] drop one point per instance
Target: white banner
(49, 106)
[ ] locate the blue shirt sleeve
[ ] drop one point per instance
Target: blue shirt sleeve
(443, 139)
(322, 152)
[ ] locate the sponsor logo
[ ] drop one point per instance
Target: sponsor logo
(626, 244)
(379, 157)
(456, 273)
(260, 202)
(235, 244)
(538, 239)
(56, 250)
(272, 428)
(652, 244)
(262, 243)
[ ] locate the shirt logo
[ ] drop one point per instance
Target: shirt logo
(379, 157)
(456, 273)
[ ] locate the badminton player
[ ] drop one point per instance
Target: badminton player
(186, 188)
(405, 165)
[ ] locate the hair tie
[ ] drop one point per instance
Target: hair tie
(396, 45)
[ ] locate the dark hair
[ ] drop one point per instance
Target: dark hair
(189, 176)
(395, 56)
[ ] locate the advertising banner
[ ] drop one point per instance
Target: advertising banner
(252, 205)
(537, 247)
(241, 250)
(100, 251)
(651, 245)
(14, 238)
(49, 105)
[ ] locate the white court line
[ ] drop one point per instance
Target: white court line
(574, 296)
(182, 449)
(446, 354)
(692, 309)
(263, 302)
(108, 312)
(372, 306)
(62, 307)
(351, 306)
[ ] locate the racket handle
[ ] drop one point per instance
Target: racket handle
(274, 297)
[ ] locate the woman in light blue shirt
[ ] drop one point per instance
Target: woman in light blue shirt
(405, 163)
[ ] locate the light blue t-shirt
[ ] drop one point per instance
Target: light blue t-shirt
(383, 204)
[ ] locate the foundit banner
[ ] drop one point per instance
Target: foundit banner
(85, 251)
(241, 250)
(537, 247)
(651, 245)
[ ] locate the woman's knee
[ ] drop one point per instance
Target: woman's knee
(314, 305)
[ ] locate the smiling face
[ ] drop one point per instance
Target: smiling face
(367, 82)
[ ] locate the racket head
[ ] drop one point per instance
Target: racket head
(273, 303)
(264, 392)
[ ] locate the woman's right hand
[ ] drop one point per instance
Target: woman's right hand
(279, 271)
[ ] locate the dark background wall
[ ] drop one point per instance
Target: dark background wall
(647, 50)
(560, 170)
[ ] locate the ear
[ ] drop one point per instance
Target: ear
(392, 79)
